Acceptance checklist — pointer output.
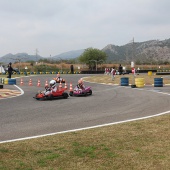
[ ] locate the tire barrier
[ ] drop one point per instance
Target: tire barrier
(149, 73)
(2, 80)
(9, 81)
(139, 82)
(44, 72)
(5, 81)
(158, 82)
(124, 81)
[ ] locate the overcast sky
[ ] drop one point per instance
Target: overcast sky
(57, 26)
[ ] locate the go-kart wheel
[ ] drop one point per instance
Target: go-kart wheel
(90, 92)
(50, 97)
(65, 95)
(71, 93)
(84, 93)
(36, 95)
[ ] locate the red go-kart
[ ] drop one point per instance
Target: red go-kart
(59, 94)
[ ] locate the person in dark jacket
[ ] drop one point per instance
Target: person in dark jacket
(10, 70)
(120, 69)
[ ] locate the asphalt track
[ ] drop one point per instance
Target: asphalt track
(24, 117)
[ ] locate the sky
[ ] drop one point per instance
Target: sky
(52, 27)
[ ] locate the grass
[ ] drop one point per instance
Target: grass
(143, 144)
(148, 80)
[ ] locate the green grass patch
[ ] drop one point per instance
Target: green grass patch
(108, 80)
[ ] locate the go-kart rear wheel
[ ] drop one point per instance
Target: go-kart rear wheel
(65, 95)
(90, 92)
(84, 93)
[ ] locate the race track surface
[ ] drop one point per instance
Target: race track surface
(24, 116)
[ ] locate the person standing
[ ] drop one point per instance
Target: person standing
(72, 69)
(113, 72)
(10, 70)
(120, 69)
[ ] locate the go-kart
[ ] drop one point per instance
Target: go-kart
(59, 79)
(81, 92)
(59, 94)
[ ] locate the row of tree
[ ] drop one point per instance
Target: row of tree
(91, 57)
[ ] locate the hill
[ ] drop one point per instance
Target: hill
(152, 51)
(23, 57)
(148, 52)
(19, 57)
(69, 55)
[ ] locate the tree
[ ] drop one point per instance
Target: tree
(92, 57)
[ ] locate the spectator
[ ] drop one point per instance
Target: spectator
(105, 71)
(120, 69)
(113, 72)
(10, 70)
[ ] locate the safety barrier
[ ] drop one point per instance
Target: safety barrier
(158, 82)
(149, 73)
(124, 81)
(139, 82)
(8, 81)
(46, 72)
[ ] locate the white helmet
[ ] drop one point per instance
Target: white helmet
(53, 83)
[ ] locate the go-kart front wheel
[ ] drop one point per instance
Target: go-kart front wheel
(65, 95)
(71, 93)
(36, 96)
(50, 97)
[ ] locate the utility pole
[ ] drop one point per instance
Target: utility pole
(36, 53)
(50, 59)
(127, 56)
(133, 50)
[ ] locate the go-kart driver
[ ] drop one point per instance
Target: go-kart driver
(51, 89)
(80, 85)
(58, 78)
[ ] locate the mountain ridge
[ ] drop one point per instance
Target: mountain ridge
(147, 51)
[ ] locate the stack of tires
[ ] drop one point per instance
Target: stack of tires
(9, 81)
(2, 80)
(158, 82)
(139, 82)
(1, 86)
(149, 73)
(124, 81)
